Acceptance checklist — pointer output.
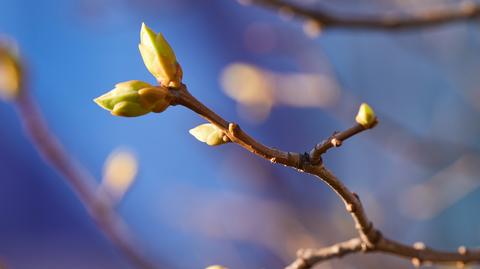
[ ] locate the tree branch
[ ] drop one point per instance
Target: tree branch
(370, 239)
(309, 257)
(336, 140)
(466, 11)
(83, 184)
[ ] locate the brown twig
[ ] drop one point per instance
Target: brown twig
(466, 11)
(370, 239)
(336, 140)
(79, 180)
(309, 257)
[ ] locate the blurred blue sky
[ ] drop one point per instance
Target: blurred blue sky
(424, 85)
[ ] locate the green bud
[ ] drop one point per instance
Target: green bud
(209, 134)
(134, 98)
(365, 116)
(10, 73)
(159, 57)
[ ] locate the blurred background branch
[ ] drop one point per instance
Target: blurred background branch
(465, 10)
(97, 203)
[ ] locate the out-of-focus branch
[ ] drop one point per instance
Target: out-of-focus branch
(370, 239)
(99, 207)
(466, 11)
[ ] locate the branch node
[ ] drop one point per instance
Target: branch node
(350, 207)
(233, 129)
(416, 262)
(462, 250)
(226, 139)
(336, 142)
(304, 159)
(419, 246)
(364, 247)
(356, 196)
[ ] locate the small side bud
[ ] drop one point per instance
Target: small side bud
(209, 134)
(365, 116)
(159, 58)
(10, 73)
(134, 98)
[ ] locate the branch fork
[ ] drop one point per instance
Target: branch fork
(369, 239)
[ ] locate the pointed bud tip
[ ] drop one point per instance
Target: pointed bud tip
(100, 103)
(365, 116)
(159, 57)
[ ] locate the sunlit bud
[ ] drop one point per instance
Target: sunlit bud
(216, 267)
(134, 98)
(210, 134)
(159, 58)
(10, 73)
(119, 173)
(365, 116)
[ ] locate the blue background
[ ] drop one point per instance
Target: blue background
(194, 205)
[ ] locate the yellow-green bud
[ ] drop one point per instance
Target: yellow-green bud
(10, 73)
(365, 116)
(159, 58)
(134, 98)
(209, 134)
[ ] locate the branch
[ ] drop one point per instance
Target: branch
(370, 239)
(308, 257)
(466, 11)
(233, 131)
(336, 140)
(81, 182)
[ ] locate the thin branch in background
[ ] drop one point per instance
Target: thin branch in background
(370, 239)
(99, 207)
(467, 10)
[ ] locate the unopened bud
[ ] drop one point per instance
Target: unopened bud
(159, 58)
(209, 134)
(365, 116)
(134, 98)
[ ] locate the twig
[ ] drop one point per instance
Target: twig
(466, 11)
(370, 239)
(308, 257)
(81, 182)
(336, 140)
